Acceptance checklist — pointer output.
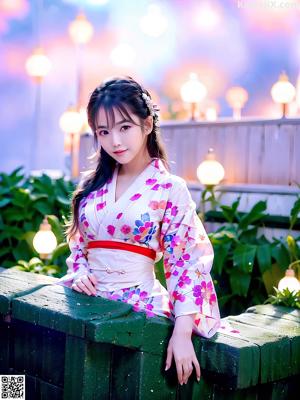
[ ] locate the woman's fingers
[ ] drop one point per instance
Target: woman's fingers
(169, 357)
(197, 368)
(187, 370)
(179, 372)
(88, 283)
(92, 278)
(84, 284)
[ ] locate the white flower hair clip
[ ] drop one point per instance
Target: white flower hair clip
(153, 109)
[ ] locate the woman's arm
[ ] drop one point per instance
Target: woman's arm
(181, 347)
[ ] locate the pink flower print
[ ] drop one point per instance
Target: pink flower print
(100, 206)
(135, 197)
(143, 295)
(86, 224)
(162, 204)
(208, 292)
(151, 181)
(184, 279)
(169, 204)
(81, 240)
(155, 187)
(111, 229)
(198, 294)
(156, 163)
(174, 211)
(178, 296)
(153, 205)
(167, 185)
(202, 237)
(119, 215)
(101, 192)
(90, 195)
(148, 310)
(75, 266)
(168, 274)
(125, 229)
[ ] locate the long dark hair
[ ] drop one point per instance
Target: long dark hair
(119, 94)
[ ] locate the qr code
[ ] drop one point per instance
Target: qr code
(12, 387)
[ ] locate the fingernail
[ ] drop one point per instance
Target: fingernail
(198, 378)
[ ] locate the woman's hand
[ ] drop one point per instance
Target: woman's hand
(86, 284)
(181, 347)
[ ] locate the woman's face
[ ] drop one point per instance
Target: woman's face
(122, 138)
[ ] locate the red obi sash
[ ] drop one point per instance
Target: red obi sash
(110, 244)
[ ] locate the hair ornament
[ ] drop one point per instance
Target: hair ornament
(153, 108)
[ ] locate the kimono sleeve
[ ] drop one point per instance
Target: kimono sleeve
(77, 261)
(188, 257)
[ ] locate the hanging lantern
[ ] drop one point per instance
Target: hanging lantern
(154, 23)
(237, 97)
(193, 91)
(283, 92)
(38, 64)
(44, 241)
(71, 121)
(210, 172)
(289, 281)
(81, 30)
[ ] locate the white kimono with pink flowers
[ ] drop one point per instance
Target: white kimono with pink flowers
(157, 212)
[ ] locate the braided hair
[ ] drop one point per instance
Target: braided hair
(115, 94)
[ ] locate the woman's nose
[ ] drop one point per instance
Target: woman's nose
(116, 140)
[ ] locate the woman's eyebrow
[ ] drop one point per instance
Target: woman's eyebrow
(117, 123)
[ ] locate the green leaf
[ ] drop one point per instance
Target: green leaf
(21, 251)
(254, 215)
(56, 228)
(43, 207)
(264, 258)
(229, 213)
(220, 255)
(61, 249)
(243, 257)
(4, 202)
(239, 282)
(281, 254)
(295, 213)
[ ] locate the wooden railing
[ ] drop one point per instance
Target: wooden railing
(251, 151)
(71, 346)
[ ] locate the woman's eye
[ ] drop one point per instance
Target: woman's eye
(102, 133)
(125, 127)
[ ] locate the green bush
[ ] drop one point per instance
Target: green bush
(247, 265)
(24, 202)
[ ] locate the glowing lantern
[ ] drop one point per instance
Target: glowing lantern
(283, 92)
(154, 23)
(38, 64)
(44, 240)
(210, 172)
(81, 30)
(237, 97)
(71, 121)
(289, 281)
(211, 113)
(193, 91)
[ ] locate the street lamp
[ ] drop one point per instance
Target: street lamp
(193, 91)
(37, 66)
(237, 97)
(283, 92)
(289, 281)
(81, 30)
(71, 123)
(210, 172)
(44, 241)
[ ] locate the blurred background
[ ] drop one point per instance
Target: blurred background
(223, 43)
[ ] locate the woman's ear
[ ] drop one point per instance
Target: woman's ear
(148, 124)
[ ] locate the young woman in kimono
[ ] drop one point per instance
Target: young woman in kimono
(128, 213)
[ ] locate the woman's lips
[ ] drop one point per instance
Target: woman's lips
(119, 152)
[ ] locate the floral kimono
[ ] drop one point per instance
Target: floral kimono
(156, 212)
